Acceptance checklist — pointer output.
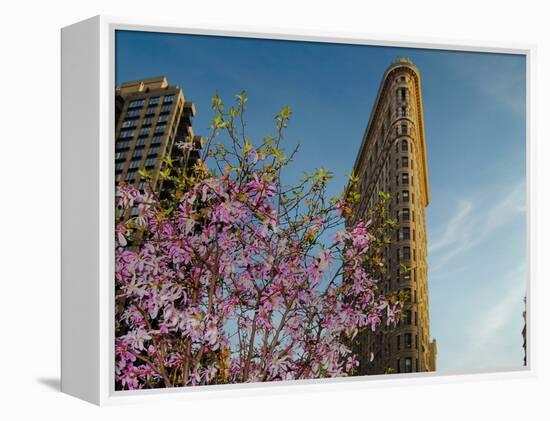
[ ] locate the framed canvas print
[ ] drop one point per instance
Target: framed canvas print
(246, 211)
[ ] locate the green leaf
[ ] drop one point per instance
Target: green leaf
(216, 101)
(144, 174)
(165, 173)
(242, 97)
(167, 160)
(247, 146)
(218, 122)
(285, 113)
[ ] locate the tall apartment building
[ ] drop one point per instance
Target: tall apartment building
(392, 159)
(151, 118)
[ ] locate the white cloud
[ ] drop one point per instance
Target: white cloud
(471, 225)
(489, 335)
(453, 227)
(512, 203)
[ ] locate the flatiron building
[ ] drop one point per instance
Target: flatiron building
(392, 159)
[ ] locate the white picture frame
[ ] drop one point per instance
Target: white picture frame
(88, 53)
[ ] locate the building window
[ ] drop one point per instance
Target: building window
(404, 129)
(408, 365)
(398, 364)
(147, 121)
(398, 342)
(124, 134)
(405, 178)
(408, 340)
(415, 338)
(156, 140)
(121, 155)
(160, 129)
(131, 175)
(138, 152)
(133, 113)
(165, 109)
(406, 233)
(124, 144)
(168, 99)
(405, 161)
(154, 100)
(129, 123)
(119, 166)
(134, 164)
(150, 162)
(144, 131)
(407, 317)
(406, 214)
(154, 150)
(137, 103)
(403, 111)
(163, 118)
(141, 141)
(404, 145)
(407, 253)
(151, 110)
(405, 196)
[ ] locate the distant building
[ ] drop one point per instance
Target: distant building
(152, 117)
(392, 159)
(524, 332)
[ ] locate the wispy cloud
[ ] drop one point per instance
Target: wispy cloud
(449, 236)
(511, 204)
(486, 326)
(487, 336)
(471, 224)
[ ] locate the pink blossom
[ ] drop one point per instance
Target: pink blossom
(225, 288)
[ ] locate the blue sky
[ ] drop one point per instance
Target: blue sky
(474, 110)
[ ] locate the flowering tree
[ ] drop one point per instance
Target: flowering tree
(231, 277)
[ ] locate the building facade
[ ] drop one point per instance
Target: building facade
(392, 159)
(152, 117)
